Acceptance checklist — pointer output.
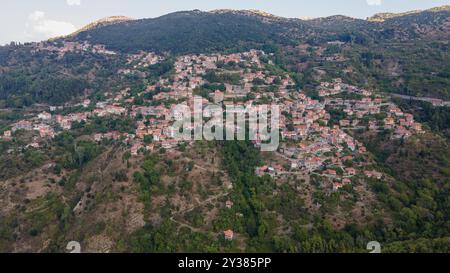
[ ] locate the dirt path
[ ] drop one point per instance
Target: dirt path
(200, 167)
(435, 102)
(182, 212)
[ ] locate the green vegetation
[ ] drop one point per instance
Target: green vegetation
(231, 78)
(182, 32)
(168, 239)
(418, 195)
(436, 118)
(148, 181)
(162, 68)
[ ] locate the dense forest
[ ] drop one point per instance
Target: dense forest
(189, 32)
(197, 31)
(42, 77)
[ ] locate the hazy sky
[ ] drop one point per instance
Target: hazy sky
(35, 20)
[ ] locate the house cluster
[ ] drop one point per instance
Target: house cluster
(304, 119)
(325, 55)
(302, 114)
(311, 143)
(322, 146)
(337, 86)
(402, 124)
(71, 47)
(272, 170)
(190, 70)
(104, 110)
(41, 124)
(65, 122)
(340, 177)
(315, 146)
(48, 125)
(143, 59)
(334, 58)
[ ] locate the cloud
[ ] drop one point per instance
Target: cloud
(36, 15)
(52, 28)
(373, 2)
(40, 27)
(73, 2)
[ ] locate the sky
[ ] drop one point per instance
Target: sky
(36, 20)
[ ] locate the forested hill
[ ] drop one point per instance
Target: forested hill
(193, 31)
(197, 31)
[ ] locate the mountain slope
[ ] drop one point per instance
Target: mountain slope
(102, 23)
(381, 17)
(192, 31)
(197, 31)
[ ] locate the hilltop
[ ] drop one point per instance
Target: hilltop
(111, 20)
(381, 17)
(198, 31)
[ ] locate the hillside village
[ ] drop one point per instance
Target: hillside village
(314, 142)
(91, 149)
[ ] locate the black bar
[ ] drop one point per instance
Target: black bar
(223, 262)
